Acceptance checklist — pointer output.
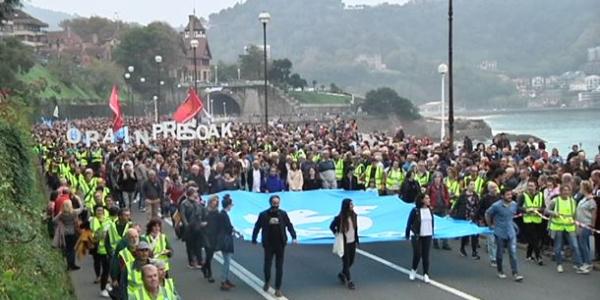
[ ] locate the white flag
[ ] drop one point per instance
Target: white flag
(55, 113)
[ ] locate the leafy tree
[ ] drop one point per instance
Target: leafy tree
(334, 88)
(295, 81)
(6, 6)
(103, 28)
(16, 58)
(138, 48)
(227, 72)
(252, 63)
(280, 71)
(385, 101)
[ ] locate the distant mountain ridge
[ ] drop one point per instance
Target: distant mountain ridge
(51, 17)
(402, 45)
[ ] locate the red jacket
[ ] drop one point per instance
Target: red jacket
(58, 204)
(433, 192)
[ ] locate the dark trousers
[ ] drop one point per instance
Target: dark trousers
(348, 259)
(421, 246)
(277, 251)
(193, 246)
(70, 240)
(474, 243)
(207, 267)
(597, 244)
(533, 235)
(101, 264)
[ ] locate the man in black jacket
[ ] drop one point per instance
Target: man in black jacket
(273, 223)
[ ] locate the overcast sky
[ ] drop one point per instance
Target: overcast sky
(144, 11)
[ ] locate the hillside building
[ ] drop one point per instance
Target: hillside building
(194, 30)
(29, 30)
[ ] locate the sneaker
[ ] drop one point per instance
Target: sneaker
(342, 278)
(501, 275)
(143, 209)
(224, 287)
(475, 256)
(191, 266)
(211, 280)
(559, 269)
(426, 278)
(529, 258)
(540, 261)
(582, 270)
(412, 275)
(351, 286)
(518, 277)
(266, 287)
(278, 294)
(109, 288)
(104, 293)
(493, 264)
(463, 253)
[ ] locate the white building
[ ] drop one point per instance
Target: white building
(537, 82)
(592, 82)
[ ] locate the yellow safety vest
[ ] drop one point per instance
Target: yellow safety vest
(535, 203)
(378, 177)
(565, 221)
(358, 172)
(339, 169)
(170, 288)
(114, 236)
(159, 246)
(140, 293)
(394, 179)
(316, 158)
(97, 156)
(422, 179)
(100, 228)
(82, 158)
(479, 184)
(134, 278)
(453, 188)
(298, 155)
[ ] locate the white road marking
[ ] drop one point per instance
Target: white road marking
(400, 269)
(243, 274)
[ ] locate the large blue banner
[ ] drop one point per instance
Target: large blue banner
(380, 218)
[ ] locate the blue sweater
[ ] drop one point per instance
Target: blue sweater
(274, 184)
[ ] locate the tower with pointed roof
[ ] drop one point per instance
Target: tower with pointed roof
(195, 30)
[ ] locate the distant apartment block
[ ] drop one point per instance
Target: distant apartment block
(374, 62)
(592, 82)
(488, 65)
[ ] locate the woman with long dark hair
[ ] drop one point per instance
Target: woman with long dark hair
(410, 188)
(346, 224)
(420, 224)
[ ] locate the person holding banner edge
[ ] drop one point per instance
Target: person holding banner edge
(346, 224)
(420, 224)
(273, 222)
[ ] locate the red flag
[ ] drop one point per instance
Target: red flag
(189, 108)
(115, 106)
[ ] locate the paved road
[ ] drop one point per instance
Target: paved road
(310, 273)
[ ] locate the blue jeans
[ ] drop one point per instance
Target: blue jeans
(584, 245)
(226, 263)
(558, 245)
(491, 247)
(511, 243)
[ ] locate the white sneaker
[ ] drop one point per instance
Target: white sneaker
(559, 269)
(109, 287)
(104, 293)
(412, 275)
(426, 278)
(582, 270)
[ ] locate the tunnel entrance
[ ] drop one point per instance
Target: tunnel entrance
(224, 104)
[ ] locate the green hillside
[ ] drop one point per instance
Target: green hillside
(49, 87)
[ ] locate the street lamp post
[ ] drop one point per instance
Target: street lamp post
(194, 43)
(264, 18)
(127, 76)
(443, 69)
(158, 60)
(224, 109)
(130, 70)
(155, 99)
(142, 81)
(216, 74)
(450, 84)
